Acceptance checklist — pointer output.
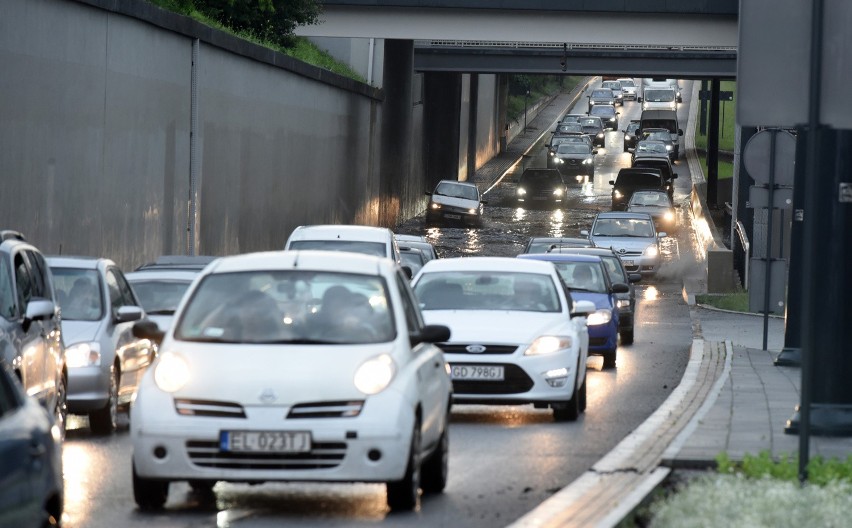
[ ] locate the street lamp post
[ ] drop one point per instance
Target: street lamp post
(526, 96)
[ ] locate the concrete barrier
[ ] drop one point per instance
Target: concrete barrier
(718, 259)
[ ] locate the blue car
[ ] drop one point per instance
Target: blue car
(31, 485)
(587, 279)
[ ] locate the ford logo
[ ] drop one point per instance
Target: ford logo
(475, 349)
(268, 396)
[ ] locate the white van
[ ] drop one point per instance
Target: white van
(658, 99)
(655, 82)
(368, 240)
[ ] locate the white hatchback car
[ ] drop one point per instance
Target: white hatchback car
(294, 366)
(517, 337)
(368, 240)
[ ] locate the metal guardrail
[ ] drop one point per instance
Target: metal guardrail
(742, 252)
(559, 45)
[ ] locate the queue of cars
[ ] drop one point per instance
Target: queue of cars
(159, 337)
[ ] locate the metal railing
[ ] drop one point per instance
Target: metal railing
(559, 45)
(742, 252)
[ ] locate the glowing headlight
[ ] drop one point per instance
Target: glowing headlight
(601, 135)
(598, 318)
(612, 119)
(618, 194)
(623, 303)
(669, 216)
(558, 160)
(436, 206)
(521, 191)
(587, 161)
(83, 355)
(628, 137)
(472, 211)
(557, 192)
(668, 147)
(375, 374)
(652, 251)
(171, 372)
(548, 345)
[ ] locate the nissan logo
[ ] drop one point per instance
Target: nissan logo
(475, 349)
(268, 396)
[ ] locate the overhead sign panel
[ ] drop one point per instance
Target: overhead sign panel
(773, 66)
(773, 63)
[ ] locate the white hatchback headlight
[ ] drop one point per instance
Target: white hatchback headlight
(375, 374)
(548, 345)
(171, 372)
(83, 355)
(600, 317)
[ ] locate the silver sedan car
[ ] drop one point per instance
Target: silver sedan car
(632, 236)
(105, 361)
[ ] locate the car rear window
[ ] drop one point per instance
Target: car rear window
(377, 249)
(638, 178)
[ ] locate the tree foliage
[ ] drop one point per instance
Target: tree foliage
(269, 20)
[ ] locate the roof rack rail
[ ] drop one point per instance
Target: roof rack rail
(10, 234)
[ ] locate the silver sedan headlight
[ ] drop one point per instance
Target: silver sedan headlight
(86, 354)
(651, 251)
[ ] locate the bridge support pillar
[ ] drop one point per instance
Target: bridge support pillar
(396, 125)
(441, 118)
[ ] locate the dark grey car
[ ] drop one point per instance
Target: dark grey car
(31, 341)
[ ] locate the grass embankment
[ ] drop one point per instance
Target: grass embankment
(544, 86)
(737, 301)
(760, 491)
(727, 125)
(303, 49)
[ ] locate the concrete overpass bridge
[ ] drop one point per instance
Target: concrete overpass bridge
(672, 38)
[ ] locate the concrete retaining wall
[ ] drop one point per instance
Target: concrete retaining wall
(95, 120)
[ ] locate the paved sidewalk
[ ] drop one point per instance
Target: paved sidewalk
(753, 400)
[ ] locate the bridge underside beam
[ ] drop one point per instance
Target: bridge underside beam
(655, 63)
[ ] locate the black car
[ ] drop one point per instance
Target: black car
(575, 159)
(630, 135)
(601, 96)
(568, 128)
(594, 128)
(630, 180)
(661, 163)
(608, 115)
(617, 273)
(540, 187)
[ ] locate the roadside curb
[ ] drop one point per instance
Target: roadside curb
(734, 312)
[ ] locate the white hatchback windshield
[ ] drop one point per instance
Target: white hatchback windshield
(290, 306)
(487, 290)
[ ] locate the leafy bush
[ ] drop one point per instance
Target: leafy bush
(821, 471)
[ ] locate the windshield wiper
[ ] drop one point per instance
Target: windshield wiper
(573, 288)
(160, 312)
(207, 339)
(298, 341)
